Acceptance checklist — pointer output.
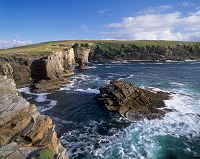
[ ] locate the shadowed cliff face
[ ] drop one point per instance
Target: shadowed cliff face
(21, 123)
(119, 51)
(47, 67)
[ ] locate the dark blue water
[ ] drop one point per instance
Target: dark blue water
(89, 131)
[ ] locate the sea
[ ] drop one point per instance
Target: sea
(89, 131)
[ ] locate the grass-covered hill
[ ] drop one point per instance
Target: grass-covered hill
(117, 50)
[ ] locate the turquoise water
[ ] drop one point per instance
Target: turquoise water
(89, 131)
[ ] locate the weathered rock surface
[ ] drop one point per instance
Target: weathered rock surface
(6, 69)
(53, 66)
(14, 151)
(82, 57)
(21, 123)
(132, 101)
(29, 67)
(48, 85)
(7, 86)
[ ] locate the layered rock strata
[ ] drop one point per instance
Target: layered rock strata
(21, 123)
(82, 57)
(26, 68)
(132, 101)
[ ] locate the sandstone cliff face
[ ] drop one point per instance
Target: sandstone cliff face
(82, 56)
(46, 67)
(21, 123)
(131, 101)
(53, 66)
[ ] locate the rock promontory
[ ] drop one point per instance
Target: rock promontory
(131, 101)
(22, 125)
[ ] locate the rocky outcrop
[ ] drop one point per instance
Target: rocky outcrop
(46, 85)
(82, 57)
(45, 67)
(21, 123)
(132, 101)
(53, 66)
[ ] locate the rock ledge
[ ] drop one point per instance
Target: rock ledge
(22, 124)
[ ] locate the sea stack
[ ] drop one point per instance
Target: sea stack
(131, 101)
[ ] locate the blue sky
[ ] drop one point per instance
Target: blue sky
(32, 21)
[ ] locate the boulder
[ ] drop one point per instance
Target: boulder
(131, 101)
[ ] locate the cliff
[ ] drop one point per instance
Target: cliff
(144, 50)
(23, 126)
(51, 66)
(27, 69)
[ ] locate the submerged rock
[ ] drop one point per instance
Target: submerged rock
(131, 101)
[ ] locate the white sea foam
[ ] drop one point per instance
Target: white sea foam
(139, 140)
(40, 98)
(82, 82)
(177, 84)
(131, 76)
(68, 86)
(25, 90)
(92, 67)
(89, 90)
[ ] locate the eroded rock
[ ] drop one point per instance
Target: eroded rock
(82, 57)
(132, 101)
(21, 123)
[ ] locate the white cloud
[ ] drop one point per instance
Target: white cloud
(155, 9)
(158, 27)
(103, 11)
(85, 28)
(186, 4)
(8, 43)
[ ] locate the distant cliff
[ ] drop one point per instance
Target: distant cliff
(23, 126)
(148, 50)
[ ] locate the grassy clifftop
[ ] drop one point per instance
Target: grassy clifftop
(114, 50)
(37, 49)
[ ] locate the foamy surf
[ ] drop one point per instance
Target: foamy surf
(89, 131)
(39, 98)
(89, 90)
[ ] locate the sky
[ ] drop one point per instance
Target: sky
(32, 21)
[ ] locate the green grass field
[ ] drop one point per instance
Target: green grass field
(47, 47)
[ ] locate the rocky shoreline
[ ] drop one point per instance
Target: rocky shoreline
(33, 68)
(23, 130)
